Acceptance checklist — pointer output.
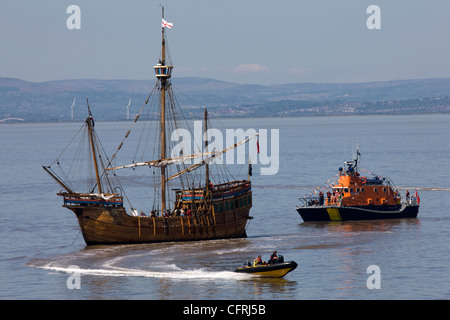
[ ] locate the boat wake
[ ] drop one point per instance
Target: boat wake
(176, 261)
(425, 188)
(172, 272)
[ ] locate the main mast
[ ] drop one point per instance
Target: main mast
(163, 73)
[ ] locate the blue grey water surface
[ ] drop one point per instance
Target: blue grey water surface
(41, 244)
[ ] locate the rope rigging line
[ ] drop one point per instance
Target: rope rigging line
(70, 142)
(129, 130)
(324, 186)
(149, 117)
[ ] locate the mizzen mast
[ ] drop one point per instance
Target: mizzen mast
(206, 149)
(163, 74)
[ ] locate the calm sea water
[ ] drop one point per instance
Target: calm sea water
(40, 240)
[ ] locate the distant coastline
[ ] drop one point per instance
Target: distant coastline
(24, 101)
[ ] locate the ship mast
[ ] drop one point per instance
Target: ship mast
(206, 146)
(90, 124)
(163, 73)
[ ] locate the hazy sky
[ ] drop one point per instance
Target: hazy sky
(245, 41)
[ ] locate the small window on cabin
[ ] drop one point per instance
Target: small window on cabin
(384, 189)
(357, 189)
(215, 208)
(245, 201)
(346, 190)
(226, 206)
(375, 190)
(362, 189)
(220, 207)
(240, 202)
(231, 205)
(351, 190)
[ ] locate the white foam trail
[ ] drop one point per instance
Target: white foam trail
(233, 250)
(125, 272)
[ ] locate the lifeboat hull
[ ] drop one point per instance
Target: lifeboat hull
(334, 213)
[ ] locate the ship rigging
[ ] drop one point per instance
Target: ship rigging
(196, 209)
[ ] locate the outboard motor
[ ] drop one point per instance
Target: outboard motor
(280, 259)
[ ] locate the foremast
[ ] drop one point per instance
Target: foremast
(105, 195)
(90, 124)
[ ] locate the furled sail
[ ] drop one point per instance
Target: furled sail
(168, 161)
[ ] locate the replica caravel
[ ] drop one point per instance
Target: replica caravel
(197, 210)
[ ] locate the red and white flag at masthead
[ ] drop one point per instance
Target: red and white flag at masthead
(166, 24)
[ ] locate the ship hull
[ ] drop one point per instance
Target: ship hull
(335, 213)
(115, 226)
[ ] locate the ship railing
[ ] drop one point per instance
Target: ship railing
(390, 183)
(227, 190)
(310, 201)
(230, 186)
(218, 191)
(411, 200)
(171, 213)
(316, 201)
(91, 199)
(375, 181)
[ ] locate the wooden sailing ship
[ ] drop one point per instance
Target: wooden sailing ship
(198, 210)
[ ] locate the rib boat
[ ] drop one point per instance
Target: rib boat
(274, 270)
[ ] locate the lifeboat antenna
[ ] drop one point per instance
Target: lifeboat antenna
(353, 165)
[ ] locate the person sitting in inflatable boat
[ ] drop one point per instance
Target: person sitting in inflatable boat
(275, 258)
(258, 262)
